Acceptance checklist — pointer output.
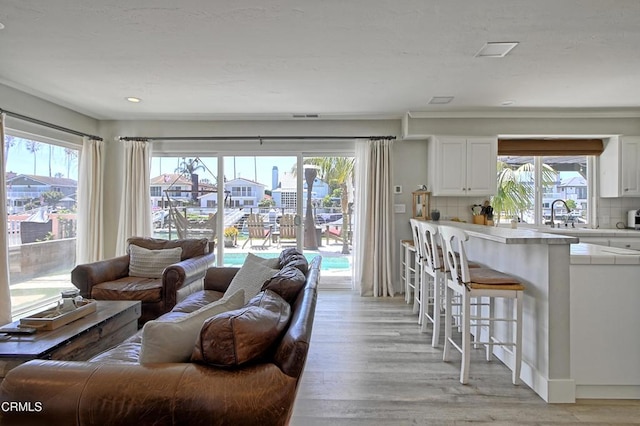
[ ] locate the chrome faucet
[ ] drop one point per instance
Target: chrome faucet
(553, 204)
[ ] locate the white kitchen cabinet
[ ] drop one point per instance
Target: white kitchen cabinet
(620, 167)
(628, 243)
(598, 241)
(463, 166)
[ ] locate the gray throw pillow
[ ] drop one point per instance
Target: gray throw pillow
(172, 341)
(151, 263)
(251, 276)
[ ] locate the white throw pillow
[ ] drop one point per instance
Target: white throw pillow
(151, 263)
(173, 341)
(273, 262)
(250, 277)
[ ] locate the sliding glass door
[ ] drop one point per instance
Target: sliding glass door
(261, 210)
(328, 193)
(259, 204)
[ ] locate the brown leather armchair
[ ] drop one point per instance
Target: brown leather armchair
(109, 279)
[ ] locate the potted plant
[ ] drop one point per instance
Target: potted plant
(230, 236)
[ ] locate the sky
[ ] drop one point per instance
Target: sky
(253, 168)
(21, 161)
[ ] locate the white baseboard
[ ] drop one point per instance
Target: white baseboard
(607, 392)
(557, 391)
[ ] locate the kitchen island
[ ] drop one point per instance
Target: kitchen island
(542, 262)
(580, 313)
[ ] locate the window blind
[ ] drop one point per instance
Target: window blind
(550, 147)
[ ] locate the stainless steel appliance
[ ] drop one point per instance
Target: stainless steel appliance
(633, 219)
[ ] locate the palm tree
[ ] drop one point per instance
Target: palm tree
(515, 188)
(71, 155)
(9, 141)
(33, 147)
(190, 167)
(337, 171)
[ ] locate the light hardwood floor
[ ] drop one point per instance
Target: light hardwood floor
(369, 365)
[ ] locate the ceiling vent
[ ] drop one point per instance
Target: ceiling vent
(305, 115)
(440, 100)
(496, 49)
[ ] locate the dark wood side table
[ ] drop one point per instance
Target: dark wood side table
(110, 324)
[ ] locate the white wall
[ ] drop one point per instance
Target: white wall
(21, 103)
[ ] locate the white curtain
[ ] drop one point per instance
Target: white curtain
(374, 251)
(135, 207)
(90, 235)
(5, 293)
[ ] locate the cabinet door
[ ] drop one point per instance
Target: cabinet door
(628, 243)
(451, 167)
(631, 168)
(482, 166)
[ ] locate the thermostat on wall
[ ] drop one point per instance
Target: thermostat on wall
(397, 189)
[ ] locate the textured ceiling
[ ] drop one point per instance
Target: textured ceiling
(337, 58)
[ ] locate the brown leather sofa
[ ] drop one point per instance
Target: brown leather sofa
(113, 389)
(109, 279)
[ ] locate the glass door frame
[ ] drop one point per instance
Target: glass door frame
(300, 155)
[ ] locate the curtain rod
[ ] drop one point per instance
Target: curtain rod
(251, 138)
(45, 124)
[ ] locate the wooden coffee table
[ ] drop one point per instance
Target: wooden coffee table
(110, 324)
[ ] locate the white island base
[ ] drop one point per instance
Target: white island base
(605, 321)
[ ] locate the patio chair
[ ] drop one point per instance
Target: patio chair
(288, 228)
(185, 229)
(258, 230)
(333, 231)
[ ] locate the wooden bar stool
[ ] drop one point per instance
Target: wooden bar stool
(433, 279)
(478, 283)
(418, 291)
(417, 270)
(408, 268)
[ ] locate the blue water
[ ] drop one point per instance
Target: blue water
(328, 263)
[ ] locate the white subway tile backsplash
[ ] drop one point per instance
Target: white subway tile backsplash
(614, 210)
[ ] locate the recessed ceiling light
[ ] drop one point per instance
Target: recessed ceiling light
(133, 99)
(440, 100)
(1, 26)
(496, 49)
(507, 103)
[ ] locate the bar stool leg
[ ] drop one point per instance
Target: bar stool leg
(417, 278)
(478, 325)
(518, 339)
(420, 298)
(437, 309)
(448, 323)
(466, 338)
(489, 348)
(424, 304)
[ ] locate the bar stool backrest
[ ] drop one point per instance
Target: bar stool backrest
(455, 256)
(417, 241)
(429, 236)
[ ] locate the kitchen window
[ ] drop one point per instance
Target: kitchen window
(533, 173)
(528, 185)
